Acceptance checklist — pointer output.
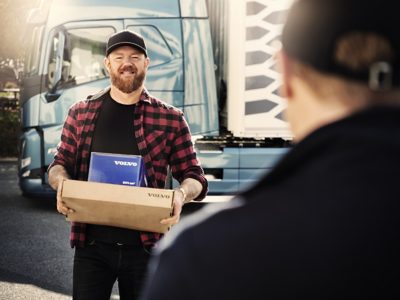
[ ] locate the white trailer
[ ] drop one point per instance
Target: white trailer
(253, 132)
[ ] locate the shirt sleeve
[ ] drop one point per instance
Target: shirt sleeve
(66, 148)
(184, 163)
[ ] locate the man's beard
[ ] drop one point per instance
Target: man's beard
(127, 85)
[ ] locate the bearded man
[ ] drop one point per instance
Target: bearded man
(122, 119)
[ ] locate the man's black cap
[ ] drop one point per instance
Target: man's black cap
(126, 38)
(314, 27)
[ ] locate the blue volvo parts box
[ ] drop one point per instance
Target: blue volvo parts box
(117, 169)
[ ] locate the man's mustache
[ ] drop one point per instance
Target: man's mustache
(128, 69)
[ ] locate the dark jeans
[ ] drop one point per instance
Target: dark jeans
(98, 265)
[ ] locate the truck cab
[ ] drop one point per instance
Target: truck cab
(65, 48)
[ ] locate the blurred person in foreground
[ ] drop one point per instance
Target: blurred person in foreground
(324, 223)
(123, 118)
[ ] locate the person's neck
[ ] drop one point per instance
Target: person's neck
(124, 98)
(309, 112)
(319, 115)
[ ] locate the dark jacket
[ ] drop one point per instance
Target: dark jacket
(324, 224)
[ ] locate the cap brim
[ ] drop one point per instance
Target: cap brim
(134, 45)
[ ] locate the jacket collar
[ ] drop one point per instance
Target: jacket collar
(144, 97)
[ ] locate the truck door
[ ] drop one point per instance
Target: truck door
(74, 66)
(73, 70)
(163, 40)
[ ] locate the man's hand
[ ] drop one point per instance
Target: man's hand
(189, 190)
(57, 174)
(178, 202)
(61, 208)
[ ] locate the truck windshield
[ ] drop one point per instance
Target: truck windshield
(83, 55)
(34, 36)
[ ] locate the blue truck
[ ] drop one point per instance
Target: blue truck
(193, 67)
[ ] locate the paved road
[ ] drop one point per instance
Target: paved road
(35, 257)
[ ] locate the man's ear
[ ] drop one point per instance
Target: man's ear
(286, 68)
(147, 62)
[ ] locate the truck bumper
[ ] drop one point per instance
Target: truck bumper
(35, 189)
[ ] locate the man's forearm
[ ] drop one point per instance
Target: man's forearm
(56, 174)
(192, 188)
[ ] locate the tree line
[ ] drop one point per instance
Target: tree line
(13, 14)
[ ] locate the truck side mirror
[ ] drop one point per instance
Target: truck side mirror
(52, 94)
(55, 69)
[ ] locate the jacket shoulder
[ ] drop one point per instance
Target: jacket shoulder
(90, 100)
(98, 95)
(162, 106)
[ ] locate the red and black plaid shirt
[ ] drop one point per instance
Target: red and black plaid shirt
(163, 139)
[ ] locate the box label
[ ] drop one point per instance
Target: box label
(117, 169)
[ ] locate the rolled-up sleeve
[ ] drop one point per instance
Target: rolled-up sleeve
(66, 148)
(184, 162)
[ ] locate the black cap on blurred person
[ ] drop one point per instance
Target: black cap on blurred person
(314, 27)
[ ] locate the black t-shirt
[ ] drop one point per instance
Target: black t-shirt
(114, 133)
(114, 129)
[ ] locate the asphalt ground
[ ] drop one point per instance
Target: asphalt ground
(35, 256)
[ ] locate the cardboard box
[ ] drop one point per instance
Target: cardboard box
(117, 169)
(123, 206)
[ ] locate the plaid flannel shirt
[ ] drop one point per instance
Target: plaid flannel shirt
(163, 139)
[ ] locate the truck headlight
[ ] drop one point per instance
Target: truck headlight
(25, 162)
